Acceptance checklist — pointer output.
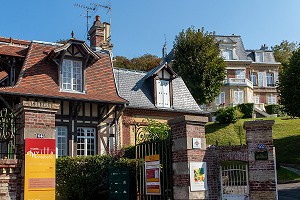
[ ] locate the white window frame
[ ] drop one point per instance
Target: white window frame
(259, 57)
(240, 73)
(270, 79)
(220, 99)
(227, 54)
(71, 76)
(163, 93)
(86, 141)
(254, 78)
(238, 97)
(61, 141)
(271, 99)
(256, 99)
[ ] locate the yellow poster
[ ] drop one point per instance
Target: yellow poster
(39, 169)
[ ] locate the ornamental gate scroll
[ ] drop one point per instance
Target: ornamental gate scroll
(7, 133)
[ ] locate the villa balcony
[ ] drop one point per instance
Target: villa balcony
(238, 82)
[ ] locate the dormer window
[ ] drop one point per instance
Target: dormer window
(259, 57)
(163, 93)
(227, 54)
(71, 75)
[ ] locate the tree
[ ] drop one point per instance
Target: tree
(284, 51)
(289, 85)
(197, 60)
(145, 62)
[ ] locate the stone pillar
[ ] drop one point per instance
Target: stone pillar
(262, 178)
(37, 117)
(184, 129)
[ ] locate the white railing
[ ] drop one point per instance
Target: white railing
(260, 106)
(239, 81)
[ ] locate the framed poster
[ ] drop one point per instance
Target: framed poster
(39, 169)
(152, 175)
(198, 176)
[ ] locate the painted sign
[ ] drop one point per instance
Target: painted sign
(261, 155)
(39, 169)
(198, 176)
(152, 173)
(196, 143)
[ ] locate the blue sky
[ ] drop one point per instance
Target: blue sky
(139, 26)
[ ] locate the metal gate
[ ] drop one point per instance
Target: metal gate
(164, 149)
(234, 180)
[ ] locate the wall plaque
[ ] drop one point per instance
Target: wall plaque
(261, 155)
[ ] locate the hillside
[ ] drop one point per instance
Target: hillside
(286, 135)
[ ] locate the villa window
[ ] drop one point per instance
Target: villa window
(271, 99)
(270, 79)
(86, 141)
(238, 97)
(61, 141)
(256, 99)
(259, 57)
(163, 93)
(254, 78)
(72, 75)
(227, 54)
(220, 99)
(240, 74)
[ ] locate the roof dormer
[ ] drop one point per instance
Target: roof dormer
(161, 78)
(73, 58)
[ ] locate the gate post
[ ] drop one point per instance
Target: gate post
(184, 129)
(261, 155)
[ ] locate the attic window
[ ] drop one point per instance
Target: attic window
(259, 57)
(163, 93)
(227, 54)
(71, 75)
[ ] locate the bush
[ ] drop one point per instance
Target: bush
(247, 109)
(228, 115)
(86, 177)
(275, 109)
(129, 152)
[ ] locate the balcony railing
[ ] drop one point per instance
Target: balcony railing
(239, 81)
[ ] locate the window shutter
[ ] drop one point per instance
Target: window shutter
(275, 77)
(222, 97)
(166, 94)
(260, 79)
(159, 93)
(241, 97)
(236, 97)
(264, 79)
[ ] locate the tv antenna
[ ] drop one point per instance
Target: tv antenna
(92, 8)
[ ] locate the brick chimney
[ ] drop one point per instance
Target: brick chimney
(100, 36)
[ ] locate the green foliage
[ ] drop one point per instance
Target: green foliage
(285, 174)
(240, 131)
(85, 178)
(129, 152)
(275, 109)
(289, 86)
(247, 109)
(284, 51)
(228, 115)
(145, 62)
(197, 60)
(157, 131)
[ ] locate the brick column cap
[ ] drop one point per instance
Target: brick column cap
(258, 123)
(189, 119)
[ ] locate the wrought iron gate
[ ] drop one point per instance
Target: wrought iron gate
(164, 149)
(234, 180)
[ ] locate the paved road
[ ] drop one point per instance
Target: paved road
(290, 191)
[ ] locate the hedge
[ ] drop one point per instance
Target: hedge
(275, 109)
(228, 115)
(247, 109)
(85, 178)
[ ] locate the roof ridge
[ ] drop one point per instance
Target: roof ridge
(130, 70)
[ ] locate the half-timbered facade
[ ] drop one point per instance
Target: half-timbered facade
(73, 75)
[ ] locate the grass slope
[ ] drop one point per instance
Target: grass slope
(286, 135)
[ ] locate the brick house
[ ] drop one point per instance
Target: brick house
(158, 94)
(251, 74)
(77, 77)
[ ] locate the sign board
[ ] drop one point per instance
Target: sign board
(39, 169)
(198, 176)
(152, 173)
(196, 143)
(261, 155)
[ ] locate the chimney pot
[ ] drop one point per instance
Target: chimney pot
(98, 18)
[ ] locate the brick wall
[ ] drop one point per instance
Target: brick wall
(10, 179)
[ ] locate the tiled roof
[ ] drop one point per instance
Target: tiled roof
(11, 50)
(268, 55)
(133, 86)
(3, 75)
(240, 50)
(39, 78)
(14, 41)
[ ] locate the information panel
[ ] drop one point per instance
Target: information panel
(39, 169)
(198, 176)
(152, 173)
